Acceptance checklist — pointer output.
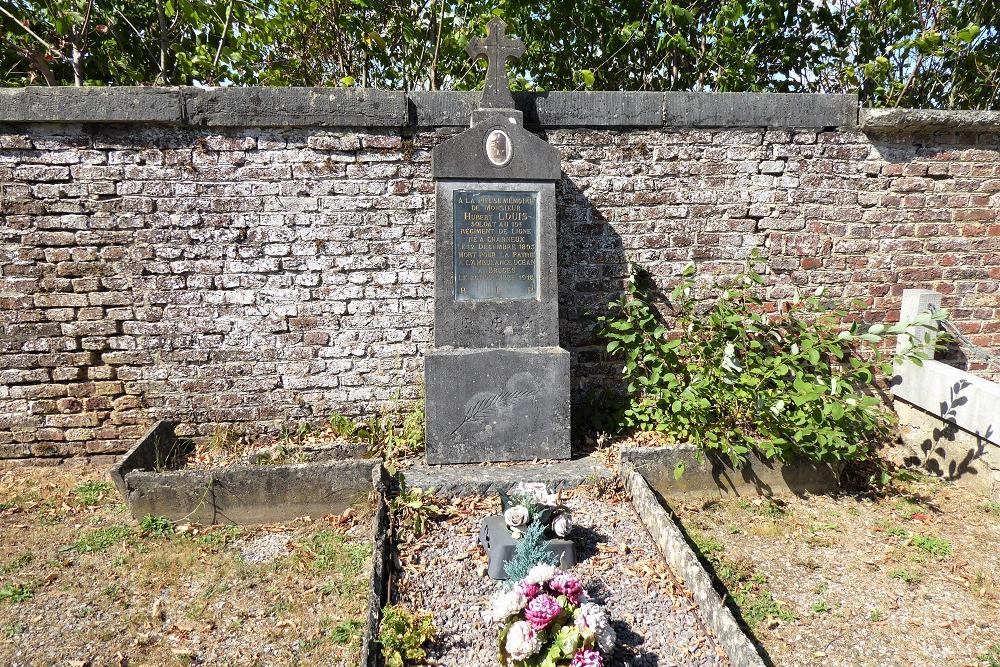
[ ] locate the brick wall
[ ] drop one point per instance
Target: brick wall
(257, 275)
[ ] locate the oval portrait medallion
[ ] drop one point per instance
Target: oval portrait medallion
(498, 148)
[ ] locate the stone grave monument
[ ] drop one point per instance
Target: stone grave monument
(497, 382)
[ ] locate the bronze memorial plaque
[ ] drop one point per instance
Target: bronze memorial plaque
(495, 245)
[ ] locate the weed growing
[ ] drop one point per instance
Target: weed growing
(218, 537)
(346, 632)
(326, 551)
(101, 539)
(720, 371)
(13, 629)
(156, 525)
(935, 546)
(821, 607)
(992, 657)
(16, 563)
(414, 508)
(745, 586)
(15, 593)
(403, 634)
(906, 576)
(92, 492)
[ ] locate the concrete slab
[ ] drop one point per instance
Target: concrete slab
(484, 480)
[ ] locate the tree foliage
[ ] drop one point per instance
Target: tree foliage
(918, 53)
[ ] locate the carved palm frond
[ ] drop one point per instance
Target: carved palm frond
(491, 406)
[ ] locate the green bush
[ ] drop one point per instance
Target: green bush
(403, 635)
(733, 378)
(155, 525)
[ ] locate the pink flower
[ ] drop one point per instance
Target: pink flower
(528, 590)
(567, 585)
(541, 611)
(586, 657)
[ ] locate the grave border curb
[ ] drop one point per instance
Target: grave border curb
(381, 570)
(682, 559)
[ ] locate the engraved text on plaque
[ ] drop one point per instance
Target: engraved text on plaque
(495, 245)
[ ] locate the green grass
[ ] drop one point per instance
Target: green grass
(877, 616)
(821, 607)
(935, 546)
(992, 657)
(992, 507)
(906, 576)
(15, 593)
(346, 632)
(91, 493)
(746, 588)
(16, 563)
(101, 539)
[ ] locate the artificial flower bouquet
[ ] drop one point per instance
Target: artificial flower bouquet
(549, 621)
(529, 503)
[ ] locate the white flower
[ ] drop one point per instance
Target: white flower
(537, 492)
(516, 533)
(522, 641)
(507, 604)
(539, 574)
(593, 617)
(516, 517)
(561, 525)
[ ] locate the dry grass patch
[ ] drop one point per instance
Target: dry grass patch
(905, 579)
(80, 580)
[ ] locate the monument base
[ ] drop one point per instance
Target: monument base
(497, 404)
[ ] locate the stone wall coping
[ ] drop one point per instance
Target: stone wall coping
(889, 121)
(374, 108)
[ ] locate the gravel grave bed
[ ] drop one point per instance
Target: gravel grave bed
(82, 583)
(444, 572)
(907, 578)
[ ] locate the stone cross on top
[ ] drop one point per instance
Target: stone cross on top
(496, 48)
